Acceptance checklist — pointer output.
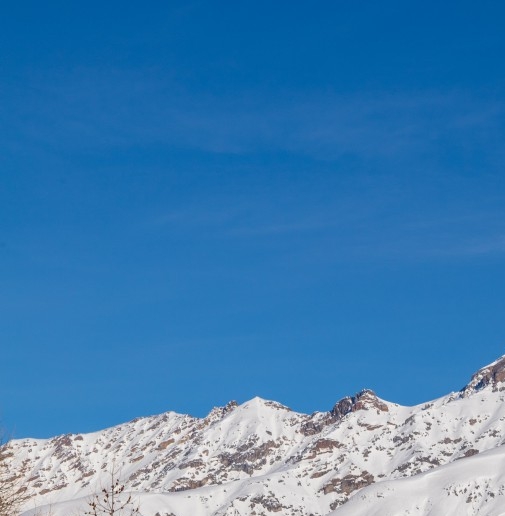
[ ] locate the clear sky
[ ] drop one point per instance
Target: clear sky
(205, 201)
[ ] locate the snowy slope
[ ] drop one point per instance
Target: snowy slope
(474, 485)
(365, 456)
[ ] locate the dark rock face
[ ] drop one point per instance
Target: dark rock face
(249, 457)
(270, 503)
(364, 400)
(493, 375)
(349, 483)
(220, 412)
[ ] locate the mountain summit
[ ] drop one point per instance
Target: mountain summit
(365, 456)
(491, 375)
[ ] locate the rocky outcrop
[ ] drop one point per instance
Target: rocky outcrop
(260, 457)
(492, 375)
(348, 484)
(219, 412)
(364, 400)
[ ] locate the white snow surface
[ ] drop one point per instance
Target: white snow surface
(475, 485)
(366, 457)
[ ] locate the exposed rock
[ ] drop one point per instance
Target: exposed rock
(364, 400)
(249, 458)
(270, 503)
(218, 413)
(349, 483)
(491, 375)
(264, 455)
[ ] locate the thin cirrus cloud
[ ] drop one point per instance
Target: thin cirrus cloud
(107, 111)
(361, 226)
(90, 110)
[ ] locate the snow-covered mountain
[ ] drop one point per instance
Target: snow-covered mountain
(366, 456)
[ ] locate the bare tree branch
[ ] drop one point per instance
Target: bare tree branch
(12, 493)
(112, 499)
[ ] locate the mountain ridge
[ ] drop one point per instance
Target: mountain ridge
(260, 456)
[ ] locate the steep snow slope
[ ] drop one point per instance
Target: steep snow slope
(260, 457)
(475, 485)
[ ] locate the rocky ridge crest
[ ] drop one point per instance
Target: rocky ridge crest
(261, 457)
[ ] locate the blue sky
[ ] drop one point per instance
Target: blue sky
(205, 201)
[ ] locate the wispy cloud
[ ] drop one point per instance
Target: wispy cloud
(357, 225)
(471, 247)
(97, 109)
(423, 133)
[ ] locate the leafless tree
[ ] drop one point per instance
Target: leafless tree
(112, 500)
(12, 493)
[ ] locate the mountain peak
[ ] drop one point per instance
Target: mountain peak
(492, 374)
(219, 412)
(259, 457)
(259, 402)
(363, 400)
